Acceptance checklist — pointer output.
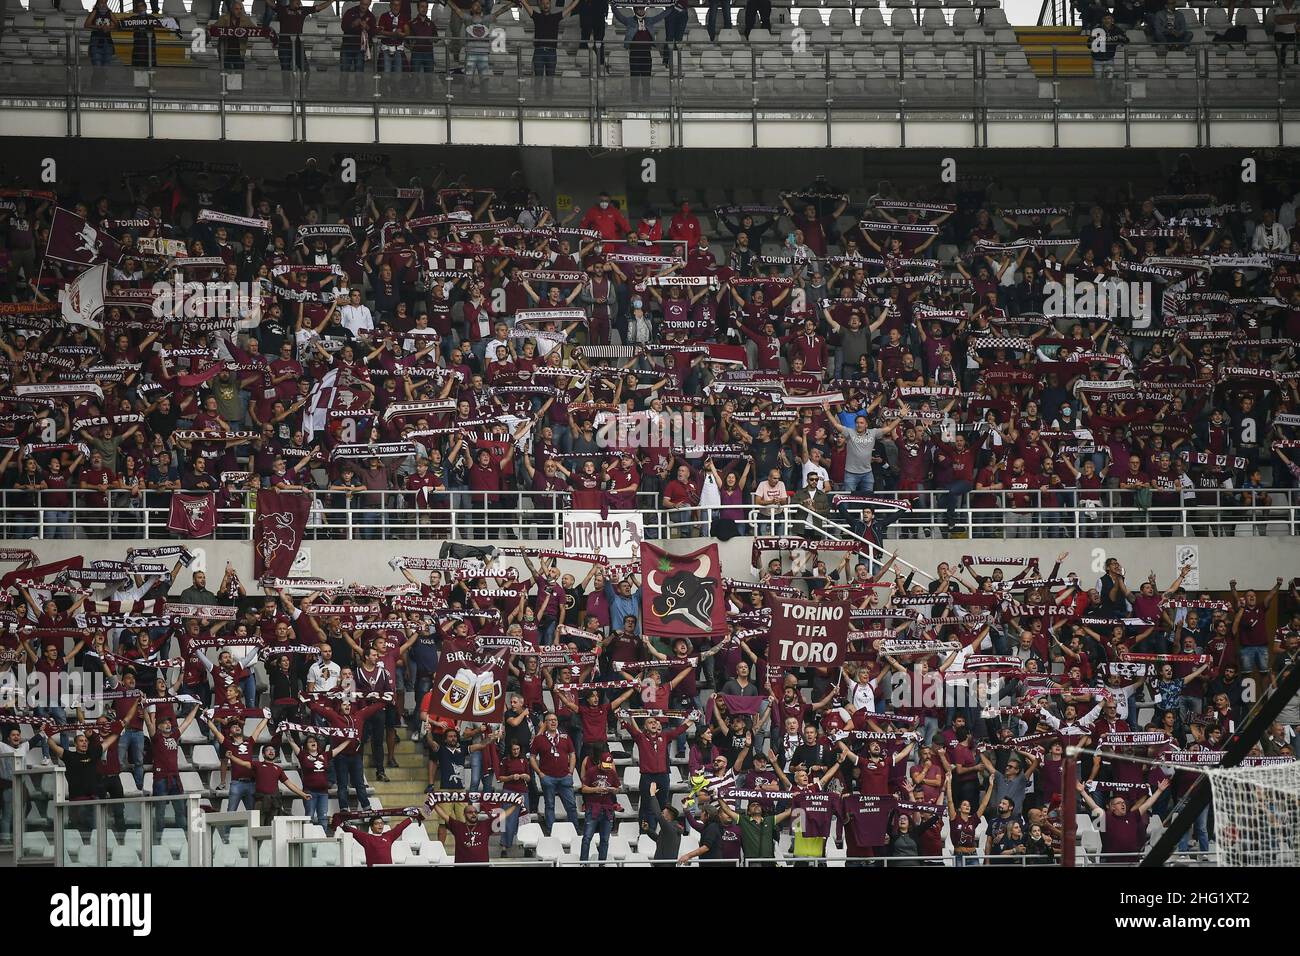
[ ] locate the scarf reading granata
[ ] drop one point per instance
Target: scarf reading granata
(1133, 739)
(312, 730)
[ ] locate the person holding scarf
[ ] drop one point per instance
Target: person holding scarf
(962, 823)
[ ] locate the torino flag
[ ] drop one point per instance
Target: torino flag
(77, 242)
(82, 299)
(806, 633)
(470, 686)
(193, 516)
(682, 595)
(278, 528)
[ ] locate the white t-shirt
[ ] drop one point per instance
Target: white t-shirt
(811, 469)
(356, 318)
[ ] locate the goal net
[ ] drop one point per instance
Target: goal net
(1257, 814)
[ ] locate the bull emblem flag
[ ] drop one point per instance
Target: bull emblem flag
(681, 595)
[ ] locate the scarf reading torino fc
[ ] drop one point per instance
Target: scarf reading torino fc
(682, 595)
(278, 527)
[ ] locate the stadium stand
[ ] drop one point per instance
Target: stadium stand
(923, 53)
(214, 355)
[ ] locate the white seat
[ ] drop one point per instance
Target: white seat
(435, 853)
(629, 830)
(204, 757)
(549, 848)
(565, 832)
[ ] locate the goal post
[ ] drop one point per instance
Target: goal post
(1256, 814)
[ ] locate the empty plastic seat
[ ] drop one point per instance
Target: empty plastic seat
(901, 20)
(810, 18)
(841, 19)
(965, 19)
(871, 19)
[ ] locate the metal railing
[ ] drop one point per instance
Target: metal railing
(842, 79)
(540, 516)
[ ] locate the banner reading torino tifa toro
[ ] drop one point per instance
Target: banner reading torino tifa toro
(470, 686)
(807, 634)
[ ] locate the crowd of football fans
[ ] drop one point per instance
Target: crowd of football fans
(477, 341)
(942, 735)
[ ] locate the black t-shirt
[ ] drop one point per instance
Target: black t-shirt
(711, 836)
(1247, 428)
(271, 334)
(730, 745)
(83, 780)
(546, 27)
(163, 423)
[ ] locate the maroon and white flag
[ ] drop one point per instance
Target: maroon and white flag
(193, 516)
(682, 594)
(470, 686)
(278, 528)
(808, 633)
(77, 242)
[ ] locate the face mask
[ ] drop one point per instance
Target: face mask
(604, 204)
(636, 303)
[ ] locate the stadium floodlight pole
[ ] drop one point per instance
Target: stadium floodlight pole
(1238, 746)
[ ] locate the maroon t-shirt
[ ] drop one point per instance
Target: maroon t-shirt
(268, 776)
(471, 840)
(166, 751)
(244, 750)
(597, 776)
(866, 819)
(1124, 834)
(315, 770)
(379, 847)
(552, 752)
